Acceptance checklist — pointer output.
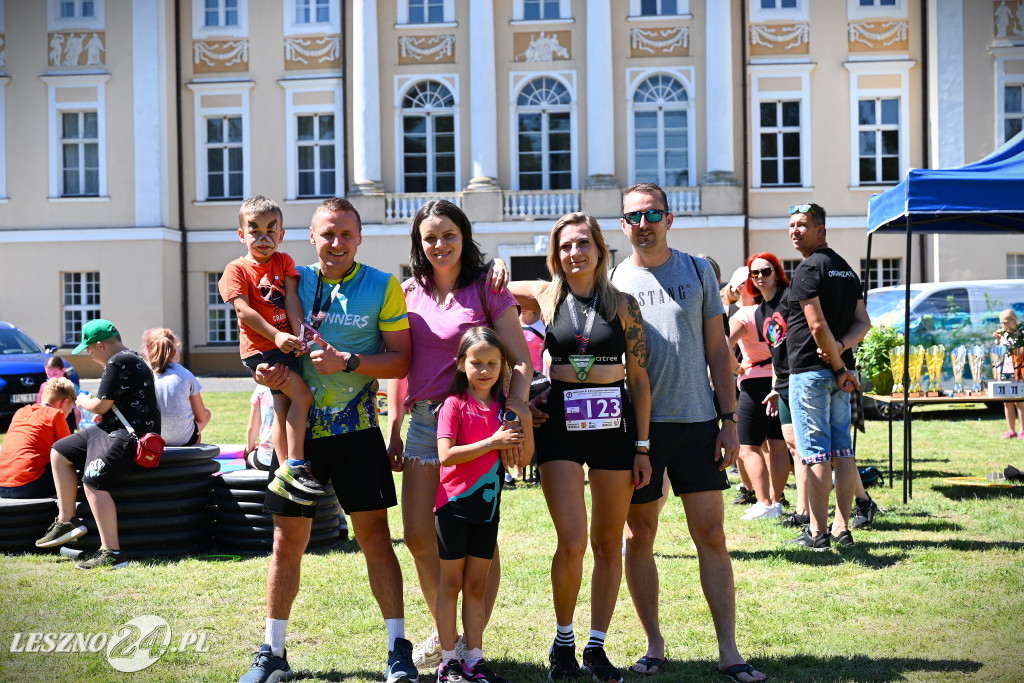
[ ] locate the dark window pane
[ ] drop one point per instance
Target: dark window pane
(92, 155)
(890, 169)
(769, 116)
(235, 184)
(307, 183)
(561, 181)
(788, 4)
(558, 121)
(306, 158)
(791, 144)
(867, 170)
(529, 122)
(235, 129)
(326, 182)
(90, 124)
(70, 125)
(866, 112)
(213, 130)
(529, 143)
(415, 183)
(531, 9)
(326, 157)
(444, 144)
(529, 163)
(71, 182)
(791, 113)
(215, 160)
(867, 143)
(558, 141)
(891, 111)
(668, 7)
(415, 145)
(444, 124)
(1012, 103)
(444, 164)
(560, 162)
(890, 142)
(415, 124)
(70, 156)
(415, 164)
(648, 7)
(769, 172)
(327, 127)
(551, 9)
(769, 145)
(305, 128)
(445, 183)
(216, 185)
(235, 159)
(531, 181)
(791, 171)
(1013, 126)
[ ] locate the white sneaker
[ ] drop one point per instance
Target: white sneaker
(756, 511)
(773, 511)
(427, 655)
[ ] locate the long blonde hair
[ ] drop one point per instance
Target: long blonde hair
(552, 296)
(160, 347)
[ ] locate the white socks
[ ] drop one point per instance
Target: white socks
(596, 638)
(274, 635)
(396, 629)
(565, 636)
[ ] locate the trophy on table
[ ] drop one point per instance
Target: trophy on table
(896, 363)
(975, 360)
(958, 358)
(933, 357)
(997, 354)
(916, 358)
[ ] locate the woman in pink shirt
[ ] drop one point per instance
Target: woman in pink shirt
(446, 295)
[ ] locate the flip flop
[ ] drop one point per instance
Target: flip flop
(735, 670)
(652, 665)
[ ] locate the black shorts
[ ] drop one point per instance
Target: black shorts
(272, 357)
(599, 449)
(356, 462)
(754, 424)
(101, 457)
(457, 538)
(687, 452)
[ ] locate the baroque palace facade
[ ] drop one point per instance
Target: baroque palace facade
(130, 131)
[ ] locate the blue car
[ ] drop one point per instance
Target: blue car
(22, 370)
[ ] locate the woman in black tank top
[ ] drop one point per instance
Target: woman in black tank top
(597, 413)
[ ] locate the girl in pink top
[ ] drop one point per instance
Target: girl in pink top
(472, 429)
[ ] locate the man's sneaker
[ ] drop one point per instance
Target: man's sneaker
(400, 667)
(482, 673)
(744, 497)
(818, 544)
(427, 655)
(595, 662)
(784, 502)
(301, 478)
(863, 513)
(451, 671)
(564, 666)
(266, 667)
(104, 557)
(795, 519)
(280, 488)
(509, 485)
(762, 511)
(843, 539)
(60, 533)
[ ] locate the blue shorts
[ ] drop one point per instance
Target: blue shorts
(821, 417)
(421, 438)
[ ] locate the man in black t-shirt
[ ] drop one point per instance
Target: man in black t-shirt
(106, 451)
(826, 317)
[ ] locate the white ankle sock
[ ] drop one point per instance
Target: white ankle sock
(564, 635)
(596, 638)
(473, 656)
(447, 656)
(274, 635)
(396, 629)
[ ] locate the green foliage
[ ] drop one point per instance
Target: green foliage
(872, 353)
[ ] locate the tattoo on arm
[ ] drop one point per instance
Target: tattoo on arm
(635, 331)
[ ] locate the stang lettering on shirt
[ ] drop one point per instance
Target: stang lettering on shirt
(654, 297)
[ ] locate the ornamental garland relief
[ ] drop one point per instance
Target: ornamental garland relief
(71, 49)
(652, 42)
(426, 49)
(779, 39)
(1009, 18)
(541, 47)
(312, 52)
(220, 55)
(865, 36)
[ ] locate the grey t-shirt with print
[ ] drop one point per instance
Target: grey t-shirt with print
(676, 304)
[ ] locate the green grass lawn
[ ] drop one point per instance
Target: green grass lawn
(935, 591)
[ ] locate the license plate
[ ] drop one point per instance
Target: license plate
(23, 398)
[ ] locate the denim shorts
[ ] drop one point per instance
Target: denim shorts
(421, 439)
(821, 417)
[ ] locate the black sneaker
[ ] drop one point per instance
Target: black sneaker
(785, 503)
(301, 478)
(795, 520)
(818, 544)
(595, 662)
(104, 557)
(509, 484)
(843, 539)
(863, 513)
(744, 497)
(564, 666)
(451, 672)
(60, 533)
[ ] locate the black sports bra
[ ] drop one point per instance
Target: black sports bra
(607, 340)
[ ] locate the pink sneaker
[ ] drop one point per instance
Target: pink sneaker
(1021, 435)
(1010, 434)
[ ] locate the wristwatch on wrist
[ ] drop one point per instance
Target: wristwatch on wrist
(839, 371)
(728, 416)
(351, 363)
(645, 443)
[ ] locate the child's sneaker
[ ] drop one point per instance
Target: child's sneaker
(595, 662)
(60, 533)
(481, 672)
(286, 491)
(1010, 434)
(301, 478)
(451, 671)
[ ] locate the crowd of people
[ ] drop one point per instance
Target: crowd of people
(646, 396)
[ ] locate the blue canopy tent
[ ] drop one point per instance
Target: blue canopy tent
(984, 197)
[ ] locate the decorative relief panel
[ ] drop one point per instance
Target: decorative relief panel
(3, 51)
(220, 55)
(779, 39)
(658, 42)
(1009, 18)
(426, 49)
(541, 47)
(865, 36)
(322, 52)
(73, 49)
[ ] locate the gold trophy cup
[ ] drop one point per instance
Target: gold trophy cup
(916, 359)
(976, 360)
(896, 363)
(958, 358)
(933, 358)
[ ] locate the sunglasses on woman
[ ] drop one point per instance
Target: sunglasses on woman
(653, 216)
(764, 272)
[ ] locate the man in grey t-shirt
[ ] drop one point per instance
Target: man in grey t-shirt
(678, 296)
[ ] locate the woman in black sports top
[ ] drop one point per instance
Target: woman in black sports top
(598, 414)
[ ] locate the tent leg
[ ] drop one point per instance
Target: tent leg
(907, 455)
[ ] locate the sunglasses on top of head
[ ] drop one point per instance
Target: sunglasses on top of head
(764, 272)
(653, 216)
(804, 208)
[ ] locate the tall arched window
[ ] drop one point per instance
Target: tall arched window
(428, 138)
(661, 151)
(544, 135)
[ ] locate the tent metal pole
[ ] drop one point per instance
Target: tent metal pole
(907, 455)
(867, 279)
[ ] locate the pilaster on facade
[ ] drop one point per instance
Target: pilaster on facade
(366, 159)
(719, 126)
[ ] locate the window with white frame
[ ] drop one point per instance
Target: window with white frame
(661, 149)
(1013, 110)
(878, 140)
(541, 10)
(81, 303)
(426, 11)
(226, 18)
(218, 13)
(789, 265)
(428, 138)
(80, 156)
(312, 11)
(876, 9)
(71, 9)
(1015, 266)
(656, 8)
(316, 154)
(779, 135)
(544, 135)
(76, 14)
(311, 16)
(225, 170)
(883, 272)
(221, 321)
(772, 10)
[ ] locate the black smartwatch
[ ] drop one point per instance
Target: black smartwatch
(509, 416)
(352, 363)
(728, 416)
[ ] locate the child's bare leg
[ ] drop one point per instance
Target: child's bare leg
(447, 601)
(474, 578)
(299, 398)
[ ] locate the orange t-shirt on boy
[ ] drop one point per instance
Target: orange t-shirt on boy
(263, 283)
(26, 448)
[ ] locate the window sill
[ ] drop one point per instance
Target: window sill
(437, 24)
(540, 22)
(780, 189)
(307, 200)
(659, 17)
(76, 200)
(872, 187)
(218, 202)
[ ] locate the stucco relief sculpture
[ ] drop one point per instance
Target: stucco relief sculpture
(76, 49)
(774, 36)
(421, 47)
(220, 53)
(659, 40)
(888, 33)
(326, 50)
(543, 48)
(1009, 20)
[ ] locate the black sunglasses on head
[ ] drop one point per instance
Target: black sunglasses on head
(764, 272)
(653, 216)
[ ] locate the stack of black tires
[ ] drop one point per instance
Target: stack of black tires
(162, 511)
(243, 527)
(22, 521)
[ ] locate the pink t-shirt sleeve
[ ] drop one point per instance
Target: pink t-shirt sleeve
(448, 418)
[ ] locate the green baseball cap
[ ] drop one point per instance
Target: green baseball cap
(96, 331)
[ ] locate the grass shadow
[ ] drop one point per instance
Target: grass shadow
(951, 544)
(858, 554)
(954, 492)
(513, 671)
(880, 524)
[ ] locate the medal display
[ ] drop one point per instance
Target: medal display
(598, 408)
(582, 361)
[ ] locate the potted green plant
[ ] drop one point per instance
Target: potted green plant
(872, 356)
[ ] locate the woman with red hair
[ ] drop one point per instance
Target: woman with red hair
(762, 448)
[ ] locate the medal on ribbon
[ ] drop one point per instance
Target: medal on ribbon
(582, 365)
(582, 362)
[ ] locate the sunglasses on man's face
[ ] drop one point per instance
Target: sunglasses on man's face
(804, 208)
(653, 216)
(764, 272)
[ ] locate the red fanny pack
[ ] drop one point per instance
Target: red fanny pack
(148, 448)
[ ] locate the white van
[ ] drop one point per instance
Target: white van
(947, 306)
